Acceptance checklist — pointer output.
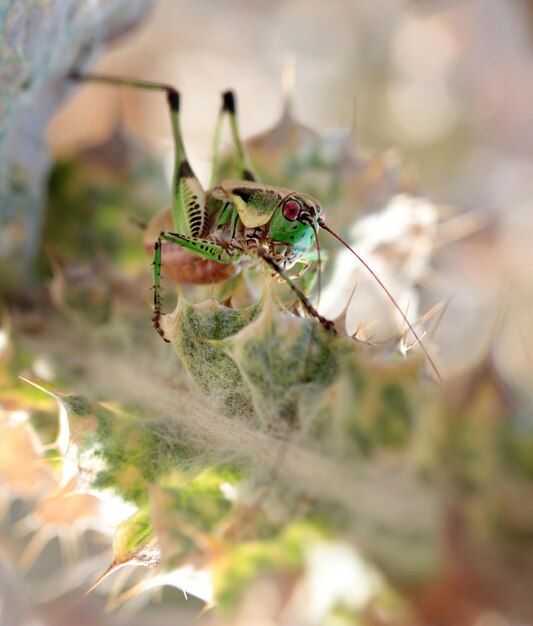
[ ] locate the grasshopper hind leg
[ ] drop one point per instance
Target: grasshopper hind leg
(189, 212)
(242, 163)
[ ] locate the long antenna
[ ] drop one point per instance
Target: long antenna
(319, 281)
(323, 225)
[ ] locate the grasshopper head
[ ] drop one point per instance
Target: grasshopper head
(290, 219)
(293, 227)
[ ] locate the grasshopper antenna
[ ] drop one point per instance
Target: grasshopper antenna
(319, 262)
(323, 225)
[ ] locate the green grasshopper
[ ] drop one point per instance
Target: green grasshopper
(235, 221)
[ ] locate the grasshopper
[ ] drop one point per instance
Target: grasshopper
(236, 220)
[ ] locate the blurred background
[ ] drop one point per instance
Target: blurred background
(447, 84)
(361, 103)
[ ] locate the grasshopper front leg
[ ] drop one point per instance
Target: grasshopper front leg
(327, 324)
(202, 247)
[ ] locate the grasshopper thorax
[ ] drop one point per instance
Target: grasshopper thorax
(283, 221)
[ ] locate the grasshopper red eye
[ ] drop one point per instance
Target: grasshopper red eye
(291, 210)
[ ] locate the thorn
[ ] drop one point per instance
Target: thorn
(288, 74)
(417, 341)
(139, 223)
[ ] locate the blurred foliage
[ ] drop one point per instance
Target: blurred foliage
(98, 204)
(276, 438)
